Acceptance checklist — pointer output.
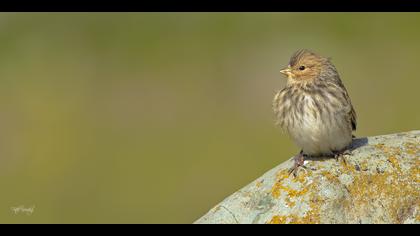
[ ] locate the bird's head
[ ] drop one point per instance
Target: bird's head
(306, 66)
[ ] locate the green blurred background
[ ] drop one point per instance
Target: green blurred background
(156, 117)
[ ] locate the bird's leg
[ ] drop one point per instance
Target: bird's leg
(341, 154)
(299, 160)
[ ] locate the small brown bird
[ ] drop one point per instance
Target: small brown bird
(314, 108)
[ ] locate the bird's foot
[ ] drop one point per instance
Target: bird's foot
(299, 161)
(341, 155)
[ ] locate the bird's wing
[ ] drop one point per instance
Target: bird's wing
(352, 112)
(353, 118)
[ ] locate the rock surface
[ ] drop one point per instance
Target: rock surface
(378, 183)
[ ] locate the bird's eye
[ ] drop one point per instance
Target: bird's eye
(301, 67)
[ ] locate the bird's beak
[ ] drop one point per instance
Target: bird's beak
(286, 71)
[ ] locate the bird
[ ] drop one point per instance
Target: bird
(314, 108)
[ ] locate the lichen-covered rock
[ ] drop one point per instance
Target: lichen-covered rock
(378, 183)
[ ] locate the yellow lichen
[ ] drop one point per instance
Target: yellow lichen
(301, 178)
(330, 177)
(347, 168)
(364, 165)
(277, 220)
(278, 186)
(412, 148)
(389, 150)
(411, 151)
(395, 190)
(259, 183)
(295, 193)
(394, 162)
(280, 177)
(310, 217)
(313, 216)
(380, 146)
(415, 172)
(391, 189)
(290, 203)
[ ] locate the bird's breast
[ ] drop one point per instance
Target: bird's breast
(313, 124)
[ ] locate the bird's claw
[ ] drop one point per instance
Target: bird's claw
(342, 154)
(299, 161)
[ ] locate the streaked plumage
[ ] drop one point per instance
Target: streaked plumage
(314, 108)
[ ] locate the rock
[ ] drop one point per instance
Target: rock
(378, 183)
